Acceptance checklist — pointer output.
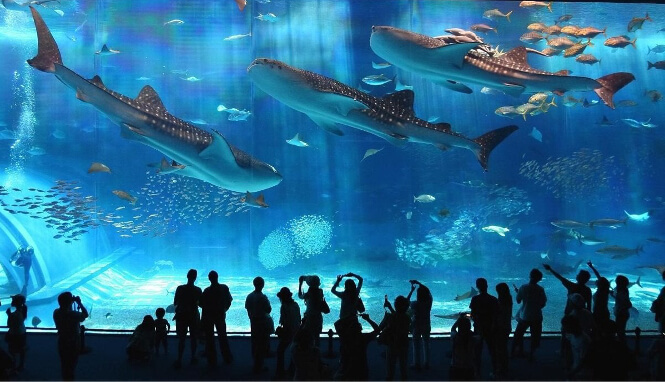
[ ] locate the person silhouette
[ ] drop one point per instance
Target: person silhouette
(142, 341)
(258, 310)
(289, 323)
(353, 363)
(484, 308)
(622, 306)
(16, 334)
(398, 339)
(422, 326)
(315, 305)
(215, 302)
(186, 301)
(68, 324)
(463, 354)
(530, 314)
(162, 329)
(502, 328)
(601, 312)
(351, 302)
(574, 287)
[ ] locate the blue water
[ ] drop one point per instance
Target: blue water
(332, 213)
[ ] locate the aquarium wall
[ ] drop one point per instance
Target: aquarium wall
(419, 151)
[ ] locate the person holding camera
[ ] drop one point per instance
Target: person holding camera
(421, 324)
(68, 324)
(316, 305)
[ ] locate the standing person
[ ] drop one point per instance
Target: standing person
(315, 306)
(353, 365)
(398, 337)
(16, 335)
(289, 322)
(463, 353)
(162, 329)
(600, 299)
(502, 328)
(258, 309)
(574, 287)
(658, 309)
(68, 324)
(530, 315)
(215, 302)
(186, 301)
(622, 306)
(351, 303)
(484, 308)
(421, 324)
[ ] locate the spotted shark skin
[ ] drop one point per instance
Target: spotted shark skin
(329, 102)
(204, 155)
(432, 58)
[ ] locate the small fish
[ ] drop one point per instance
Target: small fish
(174, 22)
(36, 321)
(536, 4)
(400, 86)
(370, 152)
(588, 59)
(381, 65)
(531, 37)
(409, 214)
(484, 28)
(657, 65)
(125, 196)
(536, 134)
(191, 79)
(108, 315)
(252, 201)
(98, 167)
(376, 79)
(424, 198)
(636, 23)
(501, 231)
(563, 18)
(453, 316)
(296, 141)
(495, 13)
(609, 223)
(631, 284)
(269, 17)
(656, 49)
(619, 42)
(106, 51)
(465, 295)
(237, 36)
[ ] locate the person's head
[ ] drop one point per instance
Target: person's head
(313, 281)
(213, 277)
(401, 304)
(148, 320)
(603, 284)
(160, 313)
(577, 300)
(18, 300)
(463, 325)
(481, 284)
(535, 275)
(349, 286)
(503, 291)
(259, 283)
(621, 281)
(583, 277)
(285, 295)
(191, 275)
(65, 299)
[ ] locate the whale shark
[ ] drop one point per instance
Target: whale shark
(328, 102)
(451, 64)
(206, 156)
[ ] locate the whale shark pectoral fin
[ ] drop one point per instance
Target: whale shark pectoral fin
(512, 89)
(345, 104)
(80, 95)
(135, 130)
(326, 125)
(454, 53)
(456, 86)
(218, 150)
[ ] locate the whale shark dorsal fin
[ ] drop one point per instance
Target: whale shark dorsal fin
(402, 99)
(219, 149)
(149, 96)
(97, 81)
(517, 55)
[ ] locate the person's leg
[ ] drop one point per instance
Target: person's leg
(417, 348)
(194, 333)
(391, 360)
(518, 338)
(281, 349)
(426, 350)
(223, 339)
(210, 346)
(621, 321)
(403, 360)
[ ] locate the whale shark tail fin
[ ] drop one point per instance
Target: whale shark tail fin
(611, 84)
(488, 141)
(48, 52)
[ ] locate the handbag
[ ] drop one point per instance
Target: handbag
(325, 308)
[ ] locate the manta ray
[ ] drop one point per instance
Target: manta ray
(204, 155)
(328, 102)
(451, 64)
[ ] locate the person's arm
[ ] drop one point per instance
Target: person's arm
(360, 281)
(595, 272)
(386, 304)
(79, 305)
(413, 287)
(335, 285)
(301, 295)
(374, 325)
(556, 274)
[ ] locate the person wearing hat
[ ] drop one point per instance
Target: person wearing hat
(16, 335)
(289, 322)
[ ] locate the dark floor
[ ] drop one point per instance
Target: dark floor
(107, 361)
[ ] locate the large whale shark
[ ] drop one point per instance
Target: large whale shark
(205, 156)
(327, 102)
(451, 64)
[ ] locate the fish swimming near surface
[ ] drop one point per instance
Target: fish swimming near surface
(105, 51)
(392, 118)
(209, 157)
(424, 198)
(296, 141)
(469, 62)
(493, 14)
(619, 252)
(252, 201)
(536, 4)
(465, 295)
(98, 167)
(370, 152)
(125, 196)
